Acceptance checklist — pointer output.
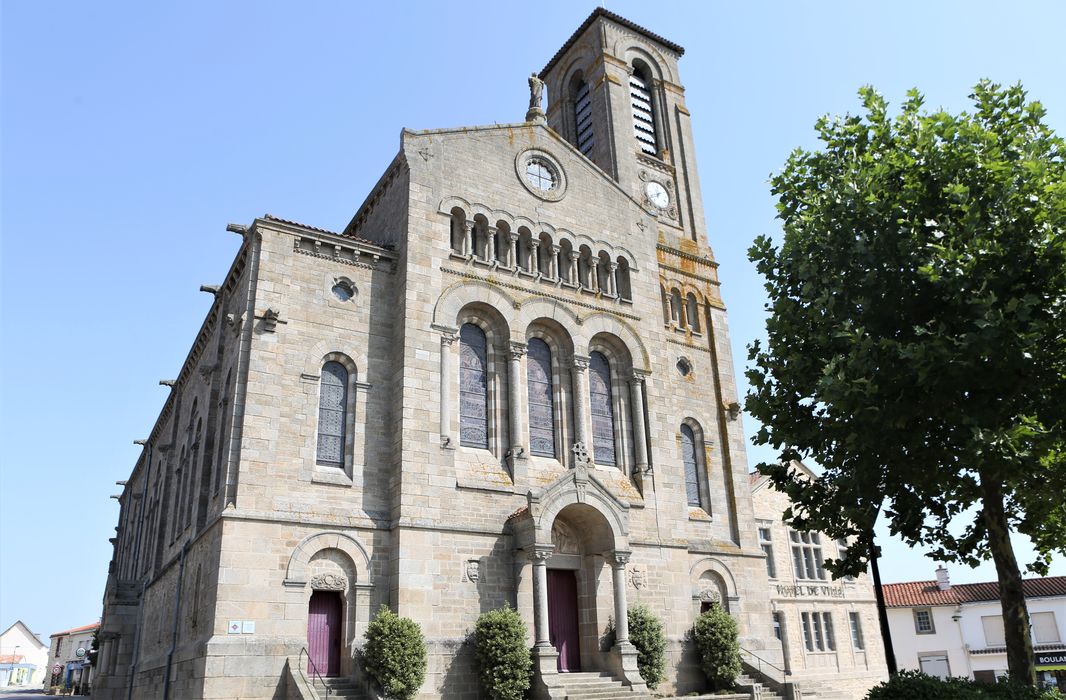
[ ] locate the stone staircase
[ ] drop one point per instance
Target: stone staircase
(597, 686)
(762, 692)
(338, 688)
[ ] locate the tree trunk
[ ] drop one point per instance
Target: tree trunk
(1020, 660)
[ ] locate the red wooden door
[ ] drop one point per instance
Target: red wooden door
(324, 632)
(562, 618)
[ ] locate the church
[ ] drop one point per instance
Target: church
(507, 381)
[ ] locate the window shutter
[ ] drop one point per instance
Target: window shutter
(583, 118)
(643, 119)
(541, 407)
(1044, 629)
(994, 633)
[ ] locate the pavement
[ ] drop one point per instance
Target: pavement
(21, 693)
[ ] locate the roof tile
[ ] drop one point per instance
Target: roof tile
(915, 593)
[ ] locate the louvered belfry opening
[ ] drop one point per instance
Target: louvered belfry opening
(583, 118)
(643, 118)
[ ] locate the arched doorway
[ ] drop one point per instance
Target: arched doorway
(325, 632)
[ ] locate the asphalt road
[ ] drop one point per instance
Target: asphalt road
(21, 694)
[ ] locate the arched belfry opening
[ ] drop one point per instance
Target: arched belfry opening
(573, 542)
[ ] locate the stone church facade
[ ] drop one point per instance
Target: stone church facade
(507, 381)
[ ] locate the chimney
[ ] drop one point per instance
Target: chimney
(942, 580)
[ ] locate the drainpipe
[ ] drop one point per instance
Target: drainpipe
(136, 641)
(177, 613)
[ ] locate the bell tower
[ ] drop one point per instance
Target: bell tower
(614, 93)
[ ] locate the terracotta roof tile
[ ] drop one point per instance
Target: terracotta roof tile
(383, 246)
(83, 628)
(912, 593)
(518, 513)
(617, 19)
(11, 659)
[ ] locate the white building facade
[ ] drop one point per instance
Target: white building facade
(946, 629)
(22, 657)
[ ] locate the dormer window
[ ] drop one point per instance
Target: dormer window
(643, 114)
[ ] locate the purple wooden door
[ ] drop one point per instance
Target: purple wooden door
(562, 618)
(324, 632)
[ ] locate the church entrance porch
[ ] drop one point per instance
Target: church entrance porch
(324, 625)
(562, 619)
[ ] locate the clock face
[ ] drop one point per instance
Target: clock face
(657, 195)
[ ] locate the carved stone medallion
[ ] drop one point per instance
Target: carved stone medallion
(638, 576)
(473, 570)
(329, 582)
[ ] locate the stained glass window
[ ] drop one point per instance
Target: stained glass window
(473, 387)
(602, 410)
(332, 408)
(688, 456)
(541, 413)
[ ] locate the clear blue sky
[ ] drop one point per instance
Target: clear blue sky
(133, 132)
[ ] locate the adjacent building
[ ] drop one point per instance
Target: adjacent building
(68, 658)
(506, 381)
(22, 657)
(947, 629)
(828, 629)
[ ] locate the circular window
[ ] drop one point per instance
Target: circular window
(343, 290)
(684, 367)
(541, 174)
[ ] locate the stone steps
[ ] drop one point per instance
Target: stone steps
(765, 692)
(597, 686)
(338, 688)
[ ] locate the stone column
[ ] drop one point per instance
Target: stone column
(594, 274)
(619, 559)
(579, 375)
(490, 244)
(611, 279)
(572, 272)
(684, 312)
(534, 256)
(447, 340)
(512, 254)
(640, 438)
(541, 555)
(468, 239)
(514, 383)
(554, 268)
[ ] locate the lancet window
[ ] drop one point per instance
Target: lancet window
(473, 387)
(332, 414)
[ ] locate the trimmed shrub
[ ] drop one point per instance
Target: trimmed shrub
(646, 634)
(914, 685)
(395, 654)
(715, 634)
(504, 664)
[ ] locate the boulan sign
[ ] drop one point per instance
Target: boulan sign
(810, 591)
(1054, 661)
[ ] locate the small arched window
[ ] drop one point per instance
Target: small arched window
(332, 414)
(693, 313)
(688, 458)
(458, 231)
(473, 387)
(602, 409)
(583, 117)
(675, 308)
(541, 406)
(625, 290)
(643, 113)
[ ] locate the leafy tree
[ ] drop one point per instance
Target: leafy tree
(395, 654)
(715, 634)
(503, 659)
(916, 343)
(646, 634)
(913, 685)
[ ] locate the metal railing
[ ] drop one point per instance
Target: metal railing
(763, 666)
(314, 670)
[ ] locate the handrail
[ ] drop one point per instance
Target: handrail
(314, 670)
(759, 662)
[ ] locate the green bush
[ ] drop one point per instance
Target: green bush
(395, 654)
(715, 635)
(504, 664)
(913, 685)
(646, 634)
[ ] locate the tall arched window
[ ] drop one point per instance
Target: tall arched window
(583, 117)
(473, 387)
(688, 457)
(643, 114)
(601, 407)
(541, 406)
(332, 414)
(675, 308)
(693, 312)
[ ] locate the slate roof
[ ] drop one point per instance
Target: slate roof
(926, 593)
(367, 241)
(75, 630)
(617, 19)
